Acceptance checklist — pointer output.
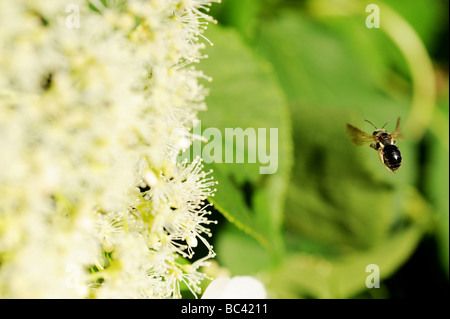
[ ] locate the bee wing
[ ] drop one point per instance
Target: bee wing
(396, 134)
(357, 136)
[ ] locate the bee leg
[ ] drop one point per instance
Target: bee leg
(380, 154)
(374, 146)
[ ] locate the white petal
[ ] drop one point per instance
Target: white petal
(215, 288)
(240, 287)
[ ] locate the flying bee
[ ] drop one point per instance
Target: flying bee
(381, 141)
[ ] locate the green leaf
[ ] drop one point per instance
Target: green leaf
(241, 14)
(320, 66)
(341, 197)
(244, 94)
(311, 276)
(437, 183)
(240, 253)
(425, 16)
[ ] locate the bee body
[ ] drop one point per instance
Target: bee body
(392, 157)
(382, 141)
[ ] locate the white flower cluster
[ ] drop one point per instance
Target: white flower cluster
(92, 201)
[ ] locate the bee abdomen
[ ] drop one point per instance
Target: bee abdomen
(392, 157)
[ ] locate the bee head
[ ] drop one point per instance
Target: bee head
(379, 133)
(382, 135)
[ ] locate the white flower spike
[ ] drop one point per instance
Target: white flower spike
(97, 99)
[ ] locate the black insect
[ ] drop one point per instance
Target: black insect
(382, 141)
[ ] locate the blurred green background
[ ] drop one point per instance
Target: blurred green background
(308, 68)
